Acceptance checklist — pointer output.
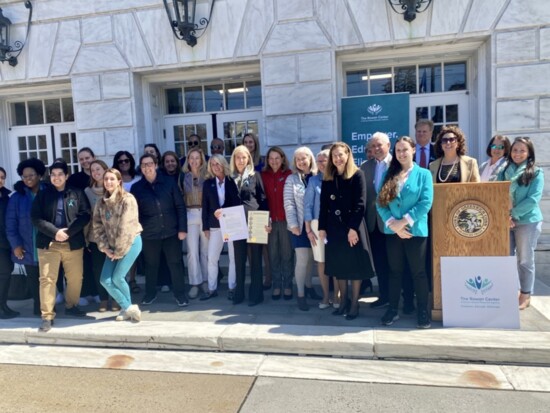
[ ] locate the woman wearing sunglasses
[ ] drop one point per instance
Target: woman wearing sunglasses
(452, 165)
(497, 151)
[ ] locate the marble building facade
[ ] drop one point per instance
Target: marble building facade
(116, 59)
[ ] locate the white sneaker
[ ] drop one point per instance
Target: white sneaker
(193, 292)
(122, 316)
(59, 298)
(134, 313)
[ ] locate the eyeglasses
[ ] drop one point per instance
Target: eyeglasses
(147, 164)
(27, 177)
(216, 147)
(193, 143)
(448, 140)
(497, 147)
(123, 161)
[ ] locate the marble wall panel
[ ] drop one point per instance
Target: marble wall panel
(314, 66)
(116, 85)
(278, 70)
(282, 131)
(516, 115)
(129, 41)
(94, 140)
(103, 115)
(524, 13)
(102, 58)
(296, 36)
(86, 88)
(97, 29)
(318, 129)
(303, 98)
(41, 45)
(158, 36)
(334, 17)
(197, 54)
(119, 140)
(516, 46)
(67, 46)
(256, 24)
(373, 21)
(296, 9)
(447, 16)
(545, 43)
(483, 15)
(403, 30)
(525, 80)
(544, 114)
(224, 30)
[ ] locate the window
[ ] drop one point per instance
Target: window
(415, 79)
(39, 112)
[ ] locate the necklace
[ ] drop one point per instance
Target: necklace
(448, 173)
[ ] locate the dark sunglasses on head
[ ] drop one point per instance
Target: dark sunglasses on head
(497, 146)
(448, 140)
(193, 143)
(216, 147)
(123, 161)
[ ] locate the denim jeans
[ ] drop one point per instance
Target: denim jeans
(113, 275)
(523, 241)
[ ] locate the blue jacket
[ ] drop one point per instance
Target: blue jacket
(312, 198)
(415, 199)
(19, 227)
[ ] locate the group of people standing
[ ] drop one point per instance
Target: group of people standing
(354, 223)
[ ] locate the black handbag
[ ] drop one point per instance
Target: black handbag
(19, 287)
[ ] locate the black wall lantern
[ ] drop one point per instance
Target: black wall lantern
(409, 8)
(9, 53)
(182, 19)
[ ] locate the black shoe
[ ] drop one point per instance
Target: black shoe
(230, 295)
(255, 303)
(288, 297)
(302, 304)
(389, 318)
(379, 303)
(208, 295)
(353, 316)
(148, 299)
(408, 308)
(311, 293)
(237, 299)
(343, 309)
(45, 326)
(7, 313)
(423, 319)
(75, 312)
(182, 301)
(276, 297)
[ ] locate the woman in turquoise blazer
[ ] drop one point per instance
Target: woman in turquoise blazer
(403, 203)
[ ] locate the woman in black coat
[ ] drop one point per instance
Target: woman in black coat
(343, 199)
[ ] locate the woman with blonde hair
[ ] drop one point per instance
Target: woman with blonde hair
(343, 200)
(252, 143)
(304, 167)
(252, 196)
(117, 232)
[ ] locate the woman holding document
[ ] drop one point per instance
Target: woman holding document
(252, 196)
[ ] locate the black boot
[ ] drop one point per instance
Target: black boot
(6, 312)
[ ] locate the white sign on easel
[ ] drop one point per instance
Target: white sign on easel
(480, 292)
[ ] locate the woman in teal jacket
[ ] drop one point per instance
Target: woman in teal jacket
(403, 203)
(526, 185)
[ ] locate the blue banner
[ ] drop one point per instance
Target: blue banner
(362, 116)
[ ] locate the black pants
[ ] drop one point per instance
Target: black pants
(6, 268)
(255, 291)
(89, 287)
(380, 257)
(33, 276)
(98, 259)
(152, 250)
(408, 257)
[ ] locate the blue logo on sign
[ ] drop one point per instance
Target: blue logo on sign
(479, 285)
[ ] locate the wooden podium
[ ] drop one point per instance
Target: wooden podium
(468, 219)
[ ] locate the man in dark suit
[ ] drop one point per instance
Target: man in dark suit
(425, 149)
(374, 171)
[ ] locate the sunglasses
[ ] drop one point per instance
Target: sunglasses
(448, 140)
(216, 147)
(193, 143)
(497, 147)
(123, 161)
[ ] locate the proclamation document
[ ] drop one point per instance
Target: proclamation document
(233, 224)
(257, 221)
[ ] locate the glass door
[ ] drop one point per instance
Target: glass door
(231, 128)
(66, 145)
(179, 129)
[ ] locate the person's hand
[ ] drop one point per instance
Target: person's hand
(207, 234)
(268, 229)
(322, 235)
(218, 213)
(512, 223)
(109, 253)
(312, 238)
(61, 235)
(353, 237)
(404, 234)
(398, 224)
(295, 231)
(19, 252)
(182, 235)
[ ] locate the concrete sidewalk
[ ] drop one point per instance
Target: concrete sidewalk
(278, 327)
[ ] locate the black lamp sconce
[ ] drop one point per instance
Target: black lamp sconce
(10, 53)
(409, 8)
(182, 20)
